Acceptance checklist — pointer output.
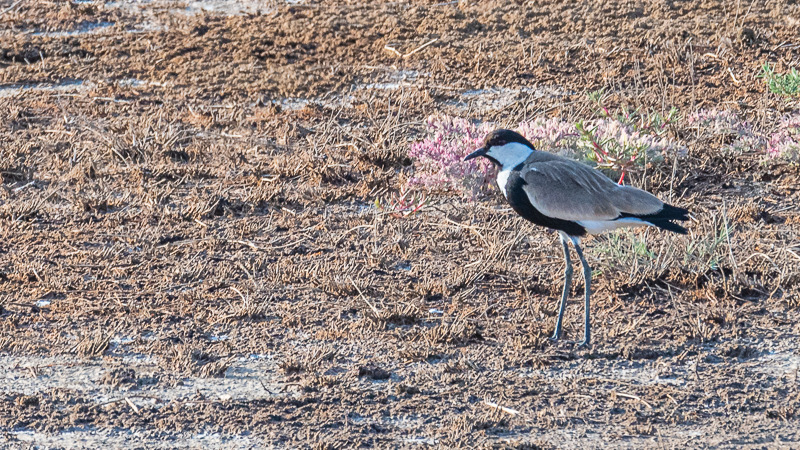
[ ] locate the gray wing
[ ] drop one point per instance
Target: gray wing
(568, 190)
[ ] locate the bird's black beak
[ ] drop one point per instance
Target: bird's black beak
(479, 152)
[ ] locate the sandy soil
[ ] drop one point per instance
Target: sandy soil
(191, 256)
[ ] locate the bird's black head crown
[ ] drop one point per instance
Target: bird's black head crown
(499, 138)
(497, 149)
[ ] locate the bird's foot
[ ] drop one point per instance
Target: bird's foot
(555, 337)
(585, 344)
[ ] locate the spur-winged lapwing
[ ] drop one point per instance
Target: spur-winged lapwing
(571, 197)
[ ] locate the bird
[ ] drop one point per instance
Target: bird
(572, 198)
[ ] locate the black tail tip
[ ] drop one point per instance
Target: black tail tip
(670, 212)
(669, 226)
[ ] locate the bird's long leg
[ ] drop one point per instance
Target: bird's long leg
(565, 293)
(587, 276)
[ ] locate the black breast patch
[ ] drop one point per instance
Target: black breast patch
(519, 201)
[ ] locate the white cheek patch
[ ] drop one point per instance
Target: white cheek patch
(510, 155)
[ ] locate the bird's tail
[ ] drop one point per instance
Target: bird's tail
(663, 219)
(669, 226)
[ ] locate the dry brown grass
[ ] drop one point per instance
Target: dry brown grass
(207, 202)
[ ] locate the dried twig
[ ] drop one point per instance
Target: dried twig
(393, 50)
(244, 299)
(13, 5)
(406, 55)
(506, 410)
(632, 397)
(16, 190)
(249, 244)
(733, 77)
(130, 403)
(361, 294)
(420, 48)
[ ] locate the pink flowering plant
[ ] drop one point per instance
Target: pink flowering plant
(553, 134)
(621, 141)
(625, 140)
(717, 122)
(439, 158)
(785, 141)
(621, 144)
(727, 125)
(782, 143)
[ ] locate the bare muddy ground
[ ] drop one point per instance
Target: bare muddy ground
(191, 255)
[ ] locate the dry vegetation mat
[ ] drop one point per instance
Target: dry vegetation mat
(242, 224)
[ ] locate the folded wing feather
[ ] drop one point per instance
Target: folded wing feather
(569, 190)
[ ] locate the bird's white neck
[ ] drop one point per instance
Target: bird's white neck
(508, 157)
